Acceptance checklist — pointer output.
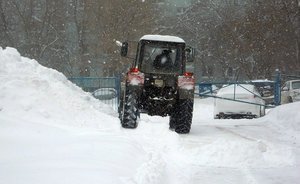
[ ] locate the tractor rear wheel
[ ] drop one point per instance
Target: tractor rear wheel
(184, 116)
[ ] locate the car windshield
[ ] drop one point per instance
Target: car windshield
(160, 59)
(265, 88)
(296, 85)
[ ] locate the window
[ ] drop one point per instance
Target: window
(159, 58)
(296, 85)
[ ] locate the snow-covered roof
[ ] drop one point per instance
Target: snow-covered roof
(165, 38)
(237, 89)
(261, 80)
(296, 80)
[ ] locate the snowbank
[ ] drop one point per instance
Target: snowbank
(53, 132)
(31, 92)
(286, 116)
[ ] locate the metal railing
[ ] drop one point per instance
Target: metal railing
(206, 88)
(236, 100)
(105, 89)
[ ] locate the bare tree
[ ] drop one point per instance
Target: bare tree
(108, 21)
(4, 26)
(253, 38)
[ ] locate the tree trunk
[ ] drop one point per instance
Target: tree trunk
(72, 37)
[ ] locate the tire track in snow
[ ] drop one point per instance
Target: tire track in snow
(172, 158)
(250, 179)
(153, 141)
(261, 145)
(236, 134)
(152, 171)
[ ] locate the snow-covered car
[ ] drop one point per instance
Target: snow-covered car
(105, 93)
(238, 101)
(266, 89)
(290, 91)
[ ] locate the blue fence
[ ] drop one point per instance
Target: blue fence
(106, 89)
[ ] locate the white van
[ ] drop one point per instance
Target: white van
(290, 91)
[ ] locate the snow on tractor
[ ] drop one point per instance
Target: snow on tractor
(158, 83)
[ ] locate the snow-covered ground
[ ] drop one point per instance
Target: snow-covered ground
(53, 132)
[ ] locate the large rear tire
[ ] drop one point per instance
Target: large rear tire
(129, 113)
(184, 116)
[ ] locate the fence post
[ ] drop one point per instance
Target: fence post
(277, 89)
(118, 86)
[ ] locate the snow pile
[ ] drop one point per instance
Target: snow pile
(286, 116)
(53, 132)
(31, 91)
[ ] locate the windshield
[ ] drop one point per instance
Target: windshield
(160, 59)
(296, 85)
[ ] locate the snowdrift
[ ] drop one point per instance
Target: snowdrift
(53, 132)
(285, 117)
(30, 91)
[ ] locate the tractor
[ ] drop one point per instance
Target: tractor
(158, 83)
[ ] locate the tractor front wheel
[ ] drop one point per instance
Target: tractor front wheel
(129, 113)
